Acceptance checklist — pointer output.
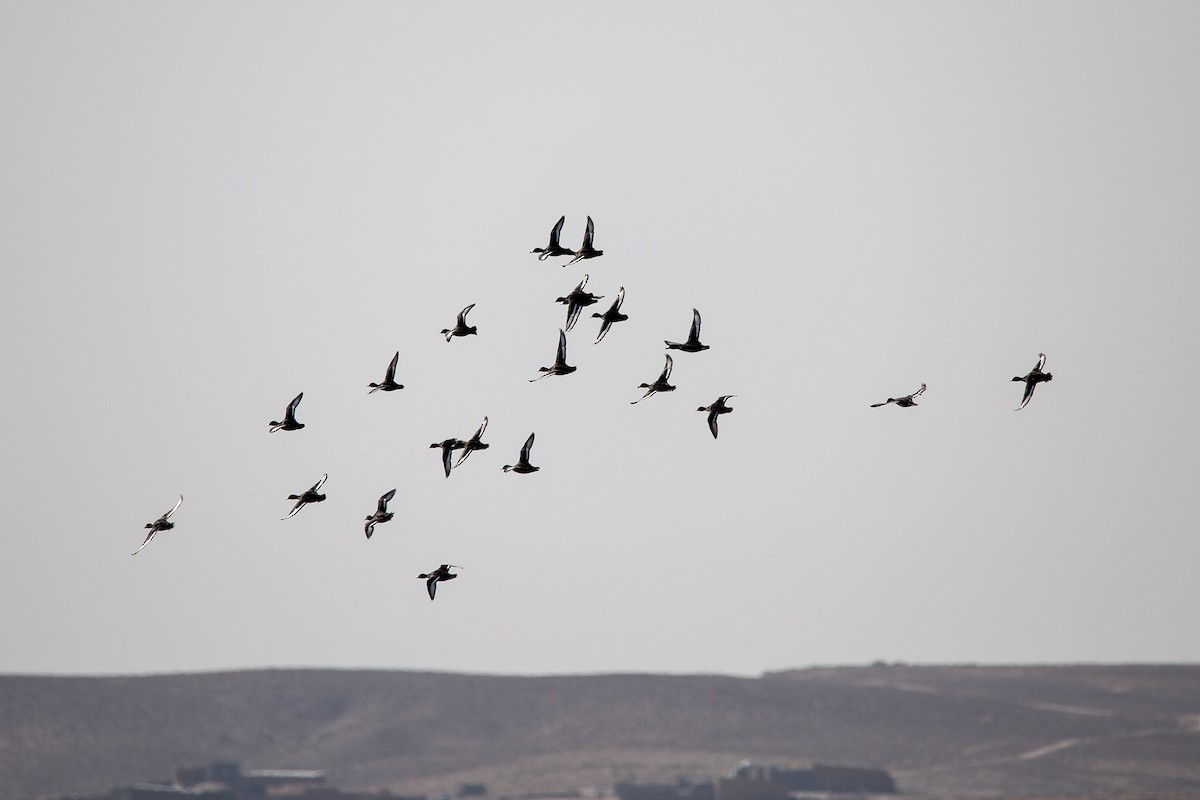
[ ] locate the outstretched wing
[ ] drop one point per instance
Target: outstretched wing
(462, 315)
(712, 421)
(666, 373)
(694, 334)
(291, 409)
(616, 306)
(167, 515)
(391, 370)
(556, 231)
(383, 501)
(295, 509)
(573, 310)
(317, 486)
(526, 448)
(431, 586)
(588, 233)
(604, 326)
(918, 392)
(561, 356)
(1029, 386)
(1041, 362)
(149, 536)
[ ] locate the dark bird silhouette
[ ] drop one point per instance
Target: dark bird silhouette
(692, 345)
(560, 367)
(381, 513)
(163, 523)
(576, 300)
(554, 248)
(442, 573)
(612, 315)
(659, 385)
(904, 402)
(448, 446)
(460, 326)
(289, 417)
(715, 410)
(473, 444)
(523, 465)
(313, 495)
(389, 380)
(586, 250)
(1031, 380)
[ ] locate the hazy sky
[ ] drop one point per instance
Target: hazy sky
(206, 208)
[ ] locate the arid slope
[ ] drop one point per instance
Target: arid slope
(939, 730)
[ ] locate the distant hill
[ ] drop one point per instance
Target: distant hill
(1065, 730)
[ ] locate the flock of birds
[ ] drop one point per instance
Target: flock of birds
(575, 301)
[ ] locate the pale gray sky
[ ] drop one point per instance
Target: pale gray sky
(206, 208)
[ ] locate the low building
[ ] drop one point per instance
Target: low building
(750, 781)
(680, 790)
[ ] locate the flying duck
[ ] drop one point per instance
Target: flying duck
(523, 464)
(389, 380)
(612, 315)
(659, 385)
(163, 523)
(576, 300)
(1031, 380)
(692, 345)
(715, 410)
(554, 248)
(442, 573)
(904, 402)
(311, 496)
(561, 367)
(381, 513)
(448, 446)
(586, 250)
(289, 417)
(473, 444)
(460, 326)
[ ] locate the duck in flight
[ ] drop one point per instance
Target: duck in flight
(289, 417)
(576, 300)
(715, 410)
(460, 326)
(163, 523)
(659, 385)
(523, 466)
(560, 367)
(612, 315)
(474, 443)
(1031, 380)
(381, 513)
(554, 248)
(586, 250)
(692, 345)
(442, 573)
(389, 380)
(448, 446)
(312, 495)
(907, 401)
